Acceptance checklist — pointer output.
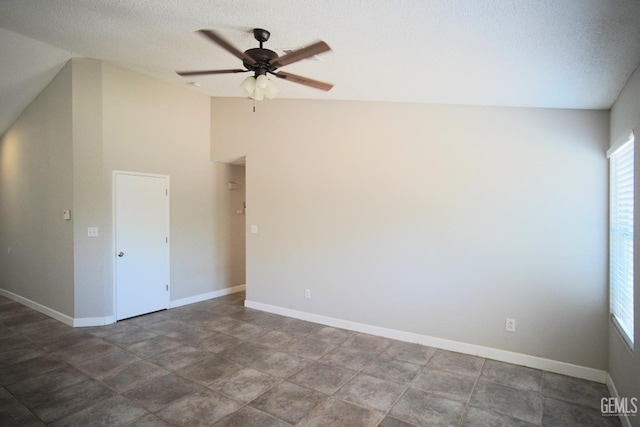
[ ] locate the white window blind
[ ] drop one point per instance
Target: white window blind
(621, 237)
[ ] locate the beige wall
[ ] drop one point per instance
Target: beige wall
(155, 127)
(92, 119)
(437, 220)
(624, 365)
(88, 191)
(36, 181)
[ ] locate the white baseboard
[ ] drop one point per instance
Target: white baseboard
(83, 322)
(549, 365)
(107, 320)
(68, 320)
(208, 295)
(624, 419)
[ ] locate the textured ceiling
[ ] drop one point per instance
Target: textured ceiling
(528, 53)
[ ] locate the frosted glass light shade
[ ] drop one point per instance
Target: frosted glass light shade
(259, 88)
(271, 90)
(262, 81)
(248, 85)
(258, 94)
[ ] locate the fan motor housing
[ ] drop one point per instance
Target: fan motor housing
(262, 57)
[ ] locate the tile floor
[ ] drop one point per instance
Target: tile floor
(216, 363)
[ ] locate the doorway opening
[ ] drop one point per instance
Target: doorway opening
(236, 205)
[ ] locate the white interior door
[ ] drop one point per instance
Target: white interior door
(141, 229)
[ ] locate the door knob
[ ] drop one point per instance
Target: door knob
(120, 254)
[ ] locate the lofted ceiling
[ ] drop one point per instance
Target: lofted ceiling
(523, 53)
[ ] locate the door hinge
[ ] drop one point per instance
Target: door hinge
(166, 240)
(166, 192)
(167, 287)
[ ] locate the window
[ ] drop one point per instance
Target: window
(621, 167)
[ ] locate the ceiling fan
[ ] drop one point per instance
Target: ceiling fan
(263, 61)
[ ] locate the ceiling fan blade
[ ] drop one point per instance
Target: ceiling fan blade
(300, 54)
(304, 80)
(223, 43)
(206, 72)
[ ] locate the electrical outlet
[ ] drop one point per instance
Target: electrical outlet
(307, 293)
(510, 325)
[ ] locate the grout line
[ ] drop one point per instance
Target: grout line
(475, 383)
(542, 380)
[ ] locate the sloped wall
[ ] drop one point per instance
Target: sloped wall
(36, 186)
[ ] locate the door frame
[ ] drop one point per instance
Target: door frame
(114, 276)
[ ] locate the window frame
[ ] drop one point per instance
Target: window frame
(618, 230)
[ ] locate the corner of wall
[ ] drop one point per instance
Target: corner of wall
(88, 193)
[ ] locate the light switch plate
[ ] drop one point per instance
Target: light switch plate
(92, 231)
(254, 229)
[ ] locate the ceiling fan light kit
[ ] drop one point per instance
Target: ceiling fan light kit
(258, 88)
(261, 62)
